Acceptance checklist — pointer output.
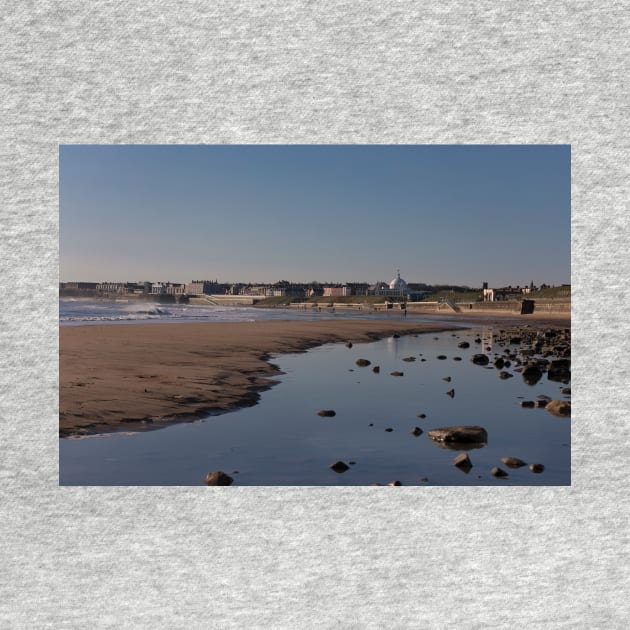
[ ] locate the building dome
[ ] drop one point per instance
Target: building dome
(398, 283)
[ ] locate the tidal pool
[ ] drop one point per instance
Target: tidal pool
(283, 442)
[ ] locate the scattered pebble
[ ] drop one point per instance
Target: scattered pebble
(451, 393)
(447, 379)
(536, 468)
(498, 472)
(559, 408)
(389, 430)
(218, 478)
(513, 462)
(394, 483)
(340, 467)
(376, 369)
(363, 362)
(397, 373)
(463, 462)
(416, 431)
(326, 413)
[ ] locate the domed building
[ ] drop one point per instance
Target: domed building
(398, 284)
(396, 288)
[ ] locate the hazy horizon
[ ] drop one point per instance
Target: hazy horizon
(458, 215)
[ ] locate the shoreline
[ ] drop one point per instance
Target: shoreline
(145, 376)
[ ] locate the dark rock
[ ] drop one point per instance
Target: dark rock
(376, 369)
(424, 479)
(397, 373)
(559, 408)
(480, 359)
(499, 363)
(451, 393)
(326, 413)
(478, 340)
(513, 462)
(416, 431)
(389, 430)
(352, 463)
(566, 391)
(515, 341)
(528, 403)
(531, 374)
(421, 415)
(463, 344)
(422, 360)
(395, 483)
(340, 467)
(218, 478)
(457, 358)
(409, 359)
(498, 472)
(463, 462)
(363, 362)
(541, 404)
(459, 434)
(536, 468)
(504, 375)
(560, 371)
(349, 344)
(396, 336)
(447, 379)
(441, 357)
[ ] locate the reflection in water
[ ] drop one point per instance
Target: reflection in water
(486, 339)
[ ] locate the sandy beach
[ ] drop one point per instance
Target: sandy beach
(127, 376)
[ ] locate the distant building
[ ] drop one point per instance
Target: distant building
(202, 287)
(505, 293)
(167, 288)
(80, 285)
(396, 288)
(340, 291)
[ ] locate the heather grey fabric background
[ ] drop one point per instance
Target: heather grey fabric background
(306, 72)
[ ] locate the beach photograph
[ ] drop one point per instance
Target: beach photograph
(315, 315)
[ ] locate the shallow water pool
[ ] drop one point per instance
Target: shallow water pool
(282, 440)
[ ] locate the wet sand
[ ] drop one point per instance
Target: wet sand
(115, 377)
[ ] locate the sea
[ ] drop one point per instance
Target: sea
(282, 441)
(81, 312)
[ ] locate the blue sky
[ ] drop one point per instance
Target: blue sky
(456, 214)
